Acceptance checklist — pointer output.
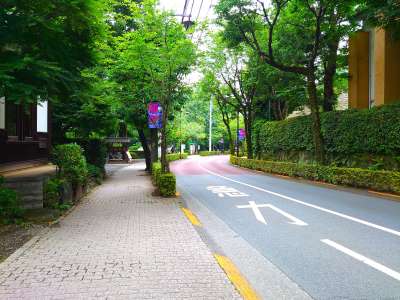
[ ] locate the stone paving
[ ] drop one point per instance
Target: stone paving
(119, 243)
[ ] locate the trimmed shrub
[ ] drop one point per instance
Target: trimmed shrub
(176, 156)
(53, 190)
(156, 172)
(71, 163)
(167, 185)
(385, 181)
(209, 153)
(10, 207)
(364, 138)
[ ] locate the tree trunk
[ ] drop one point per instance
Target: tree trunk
(329, 75)
(316, 127)
(154, 145)
(164, 162)
(146, 149)
(231, 144)
(249, 143)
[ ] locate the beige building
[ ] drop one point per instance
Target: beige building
(374, 69)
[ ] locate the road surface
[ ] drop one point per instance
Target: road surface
(325, 243)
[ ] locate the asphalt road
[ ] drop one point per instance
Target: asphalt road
(332, 243)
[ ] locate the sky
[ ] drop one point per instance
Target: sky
(201, 8)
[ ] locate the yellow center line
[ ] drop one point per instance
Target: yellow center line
(240, 283)
(192, 218)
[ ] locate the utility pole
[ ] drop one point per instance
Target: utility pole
(210, 134)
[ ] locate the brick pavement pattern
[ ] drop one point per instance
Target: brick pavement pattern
(119, 243)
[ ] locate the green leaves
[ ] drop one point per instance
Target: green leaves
(347, 134)
(44, 46)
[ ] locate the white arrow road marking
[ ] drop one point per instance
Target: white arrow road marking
(295, 221)
(256, 211)
(365, 260)
(255, 207)
(344, 216)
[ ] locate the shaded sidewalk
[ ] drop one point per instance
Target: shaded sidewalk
(119, 243)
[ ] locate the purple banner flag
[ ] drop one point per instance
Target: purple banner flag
(154, 113)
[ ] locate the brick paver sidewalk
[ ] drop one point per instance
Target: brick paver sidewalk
(119, 243)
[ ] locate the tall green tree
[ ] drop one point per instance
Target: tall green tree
(294, 36)
(152, 60)
(45, 44)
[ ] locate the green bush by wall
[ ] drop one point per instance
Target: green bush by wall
(176, 156)
(365, 138)
(71, 163)
(94, 150)
(10, 206)
(385, 181)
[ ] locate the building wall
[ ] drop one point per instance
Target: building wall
(359, 70)
(392, 75)
(18, 149)
(383, 86)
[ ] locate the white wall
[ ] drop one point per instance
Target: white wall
(2, 113)
(42, 116)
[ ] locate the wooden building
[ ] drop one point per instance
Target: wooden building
(374, 69)
(24, 134)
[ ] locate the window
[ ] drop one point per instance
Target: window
(2, 113)
(42, 116)
(11, 119)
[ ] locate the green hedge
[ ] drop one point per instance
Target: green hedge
(176, 156)
(209, 153)
(166, 183)
(352, 137)
(385, 181)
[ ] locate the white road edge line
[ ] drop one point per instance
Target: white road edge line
(366, 223)
(365, 260)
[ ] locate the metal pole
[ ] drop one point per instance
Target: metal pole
(180, 134)
(210, 134)
(237, 134)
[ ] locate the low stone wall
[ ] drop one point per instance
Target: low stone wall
(30, 190)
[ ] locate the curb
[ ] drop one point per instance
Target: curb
(233, 274)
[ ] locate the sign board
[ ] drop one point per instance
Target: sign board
(154, 113)
(242, 134)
